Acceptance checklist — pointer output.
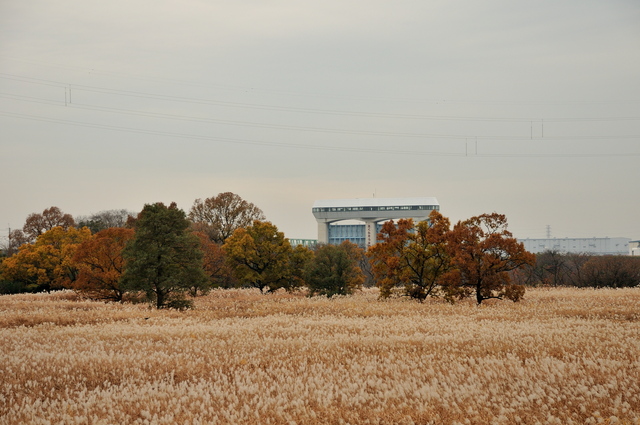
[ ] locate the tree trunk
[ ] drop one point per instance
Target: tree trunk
(479, 296)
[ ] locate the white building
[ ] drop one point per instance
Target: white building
(595, 246)
(370, 212)
(634, 248)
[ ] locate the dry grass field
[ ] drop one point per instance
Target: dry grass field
(561, 356)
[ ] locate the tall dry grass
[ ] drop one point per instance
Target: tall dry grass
(561, 356)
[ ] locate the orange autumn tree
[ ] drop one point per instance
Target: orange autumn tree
(483, 253)
(47, 263)
(100, 264)
(215, 266)
(411, 256)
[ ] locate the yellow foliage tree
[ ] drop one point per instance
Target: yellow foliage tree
(260, 256)
(47, 263)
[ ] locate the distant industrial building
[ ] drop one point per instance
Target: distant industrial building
(371, 212)
(634, 248)
(307, 243)
(594, 246)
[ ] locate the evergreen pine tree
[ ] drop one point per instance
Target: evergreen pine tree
(164, 259)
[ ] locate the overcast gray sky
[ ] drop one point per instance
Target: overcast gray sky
(530, 109)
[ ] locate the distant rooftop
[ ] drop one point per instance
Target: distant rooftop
(375, 202)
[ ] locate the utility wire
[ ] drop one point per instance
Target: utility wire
(192, 100)
(293, 145)
(188, 118)
(217, 139)
(131, 112)
(157, 79)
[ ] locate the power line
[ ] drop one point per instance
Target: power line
(190, 118)
(192, 100)
(218, 139)
(293, 145)
(315, 95)
(131, 112)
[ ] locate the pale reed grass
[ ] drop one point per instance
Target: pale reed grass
(562, 356)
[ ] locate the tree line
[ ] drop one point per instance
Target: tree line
(555, 268)
(166, 256)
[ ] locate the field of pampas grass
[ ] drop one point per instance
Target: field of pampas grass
(561, 356)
